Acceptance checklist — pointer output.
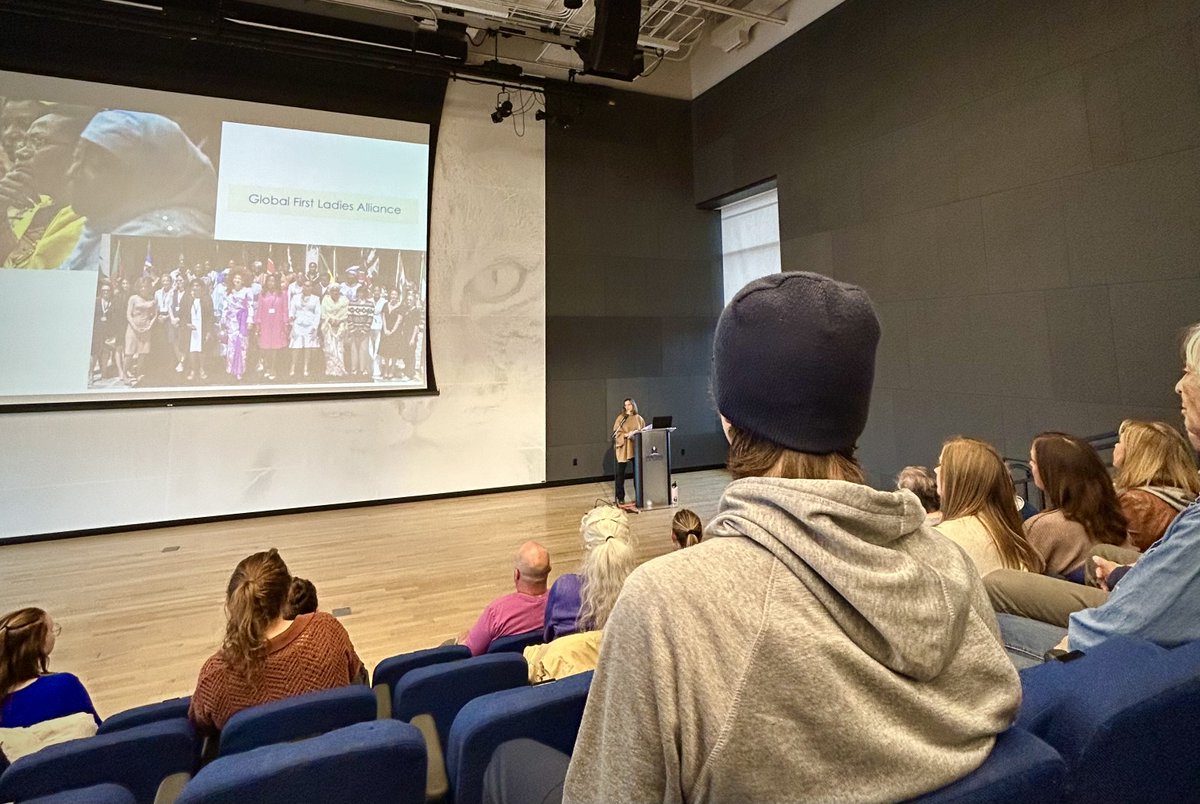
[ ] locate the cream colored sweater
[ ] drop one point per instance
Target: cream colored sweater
(969, 533)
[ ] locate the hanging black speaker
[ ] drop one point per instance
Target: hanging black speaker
(612, 50)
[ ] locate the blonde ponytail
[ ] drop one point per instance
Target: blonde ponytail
(686, 528)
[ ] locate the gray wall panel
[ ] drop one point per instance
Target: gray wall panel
(574, 461)
(1026, 235)
(632, 276)
(1135, 222)
(1033, 132)
(595, 348)
(909, 169)
(1171, 13)
(575, 412)
(687, 346)
(1080, 29)
(1157, 98)
(1147, 321)
(1083, 359)
(810, 253)
(1011, 46)
(577, 288)
(1017, 185)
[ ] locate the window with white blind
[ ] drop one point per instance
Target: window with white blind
(749, 240)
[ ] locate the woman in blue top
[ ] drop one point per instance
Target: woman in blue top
(29, 692)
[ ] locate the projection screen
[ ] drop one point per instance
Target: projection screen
(161, 246)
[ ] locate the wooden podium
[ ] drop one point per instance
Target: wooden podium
(652, 467)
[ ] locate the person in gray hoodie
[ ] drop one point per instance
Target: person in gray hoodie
(823, 643)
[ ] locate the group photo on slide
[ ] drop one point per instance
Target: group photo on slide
(230, 256)
(71, 174)
(173, 312)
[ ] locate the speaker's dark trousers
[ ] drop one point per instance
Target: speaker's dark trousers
(622, 468)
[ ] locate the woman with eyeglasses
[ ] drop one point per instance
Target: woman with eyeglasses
(29, 692)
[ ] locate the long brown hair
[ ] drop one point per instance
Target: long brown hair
(257, 592)
(22, 648)
(1076, 482)
(752, 456)
(1156, 454)
(686, 528)
(975, 482)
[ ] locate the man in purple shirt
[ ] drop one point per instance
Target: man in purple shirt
(518, 612)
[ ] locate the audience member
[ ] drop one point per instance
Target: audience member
(1156, 474)
(265, 657)
(701, 650)
(1081, 505)
(29, 692)
(1156, 478)
(519, 611)
(1158, 598)
(922, 482)
(979, 507)
(598, 525)
(605, 568)
(686, 529)
(301, 599)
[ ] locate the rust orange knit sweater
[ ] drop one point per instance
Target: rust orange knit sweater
(314, 653)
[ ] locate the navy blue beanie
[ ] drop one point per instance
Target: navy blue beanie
(794, 361)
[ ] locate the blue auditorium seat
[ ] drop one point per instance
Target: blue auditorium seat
(381, 762)
(1055, 695)
(516, 643)
(391, 670)
(297, 718)
(139, 759)
(150, 713)
(1021, 768)
(1125, 717)
(548, 713)
(96, 794)
(431, 697)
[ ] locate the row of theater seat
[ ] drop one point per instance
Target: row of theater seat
(154, 745)
(1121, 724)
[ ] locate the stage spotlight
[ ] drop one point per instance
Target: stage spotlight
(504, 108)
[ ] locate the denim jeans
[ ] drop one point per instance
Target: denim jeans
(1027, 641)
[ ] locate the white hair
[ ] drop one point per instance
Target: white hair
(602, 523)
(1191, 348)
(607, 562)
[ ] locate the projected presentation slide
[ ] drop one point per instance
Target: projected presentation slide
(160, 246)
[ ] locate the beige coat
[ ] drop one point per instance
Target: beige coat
(623, 444)
(565, 656)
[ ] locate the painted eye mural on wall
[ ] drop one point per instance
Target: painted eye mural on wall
(495, 284)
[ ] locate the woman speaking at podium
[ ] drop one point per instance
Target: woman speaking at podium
(628, 421)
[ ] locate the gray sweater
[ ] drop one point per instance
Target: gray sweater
(828, 646)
